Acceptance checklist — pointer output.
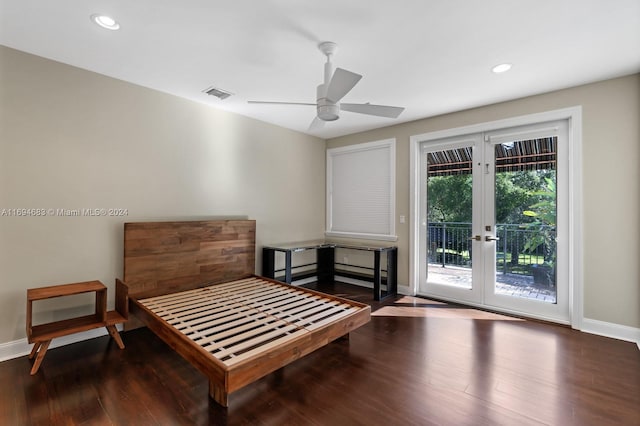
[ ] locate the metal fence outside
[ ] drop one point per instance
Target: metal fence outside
(450, 243)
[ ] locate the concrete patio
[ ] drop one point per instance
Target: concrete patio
(507, 284)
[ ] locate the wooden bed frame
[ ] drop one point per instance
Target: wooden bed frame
(193, 285)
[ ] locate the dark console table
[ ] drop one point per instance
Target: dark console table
(326, 264)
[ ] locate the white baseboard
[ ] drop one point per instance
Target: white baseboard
(608, 329)
(600, 328)
(305, 281)
(22, 347)
(355, 281)
(18, 348)
(405, 290)
(15, 349)
(338, 278)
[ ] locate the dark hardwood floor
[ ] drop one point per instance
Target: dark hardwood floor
(418, 362)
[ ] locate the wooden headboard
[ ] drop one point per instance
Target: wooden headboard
(165, 257)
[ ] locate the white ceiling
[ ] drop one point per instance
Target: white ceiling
(430, 56)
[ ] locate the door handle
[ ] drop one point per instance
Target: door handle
(490, 238)
(476, 238)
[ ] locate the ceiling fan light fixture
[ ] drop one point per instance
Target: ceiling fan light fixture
(500, 68)
(105, 21)
(328, 112)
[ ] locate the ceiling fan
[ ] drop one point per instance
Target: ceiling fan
(336, 85)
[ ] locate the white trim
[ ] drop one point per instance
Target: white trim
(414, 214)
(576, 289)
(555, 115)
(304, 281)
(559, 311)
(405, 290)
(15, 349)
(609, 329)
(501, 309)
(590, 326)
(475, 293)
(22, 347)
(378, 237)
(388, 144)
(574, 117)
(18, 348)
(355, 281)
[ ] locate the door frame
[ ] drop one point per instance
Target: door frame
(573, 115)
(458, 294)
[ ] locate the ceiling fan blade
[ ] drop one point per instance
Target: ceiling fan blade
(316, 124)
(341, 83)
(379, 110)
(280, 103)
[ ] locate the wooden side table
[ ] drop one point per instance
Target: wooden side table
(41, 335)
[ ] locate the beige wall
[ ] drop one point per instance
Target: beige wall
(73, 139)
(611, 179)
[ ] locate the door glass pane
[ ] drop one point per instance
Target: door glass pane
(525, 209)
(449, 207)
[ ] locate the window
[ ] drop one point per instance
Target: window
(361, 191)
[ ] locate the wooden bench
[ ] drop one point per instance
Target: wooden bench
(41, 335)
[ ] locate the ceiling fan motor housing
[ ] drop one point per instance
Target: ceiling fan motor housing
(327, 110)
(335, 86)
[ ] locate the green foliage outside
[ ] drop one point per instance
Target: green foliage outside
(543, 214)
(524, 198)
(450, 197)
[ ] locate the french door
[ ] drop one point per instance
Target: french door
(494, 220)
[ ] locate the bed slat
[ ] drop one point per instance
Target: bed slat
(238, 319)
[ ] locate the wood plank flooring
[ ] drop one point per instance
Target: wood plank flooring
(418, 362)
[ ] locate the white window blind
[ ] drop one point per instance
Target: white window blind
(361, 191)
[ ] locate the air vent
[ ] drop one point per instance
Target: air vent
(218, 93)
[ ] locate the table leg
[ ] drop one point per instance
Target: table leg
(325, 261)
(392, 272)
(113, 331)
(268, 263)
(377, 276)
(34, 351)
(287, 267)
(42, 350)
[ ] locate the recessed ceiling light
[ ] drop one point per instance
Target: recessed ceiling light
(105, 21)
(501, 68)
